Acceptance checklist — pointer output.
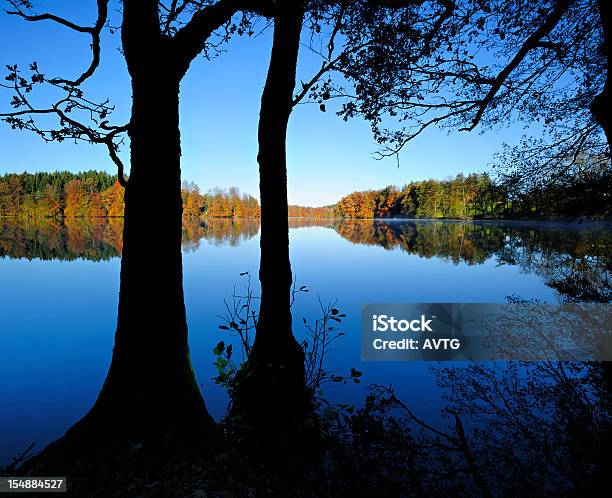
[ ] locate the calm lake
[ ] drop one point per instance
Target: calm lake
(59, 287)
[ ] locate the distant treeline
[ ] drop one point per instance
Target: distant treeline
(88, 194)
(95, 194)
(218, 203)
(477, 196)
(311, 212)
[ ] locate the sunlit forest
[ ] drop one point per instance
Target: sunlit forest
(478, 196)
(95, 194)
(87, 194)
(311, 212)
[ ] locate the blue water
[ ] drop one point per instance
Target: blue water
(57, 318)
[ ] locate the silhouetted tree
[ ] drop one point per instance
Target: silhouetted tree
(150, 389)
(487, 63)
(271, 393)
(274, 376)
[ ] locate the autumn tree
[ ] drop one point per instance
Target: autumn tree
(50, 205)
(76, 199)
(10, 196)
(192, 200)
(113, 201)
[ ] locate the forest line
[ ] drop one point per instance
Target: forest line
(478, 196)
(97, 194)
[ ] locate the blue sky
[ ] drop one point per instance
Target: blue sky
(327, 157)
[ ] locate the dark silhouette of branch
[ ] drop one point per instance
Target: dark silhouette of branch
(533, 41)
(469, 456)
(70, 127)
(190, 39)
(94, 31)
(449, 7)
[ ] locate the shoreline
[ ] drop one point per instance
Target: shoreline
(580, 221)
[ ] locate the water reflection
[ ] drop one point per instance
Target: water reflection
(68, 239)
(218, 231)
(574, 260)
(102, 239)
(59, 350)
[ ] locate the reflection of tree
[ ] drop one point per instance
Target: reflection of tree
(575, 262)
(532, 330)
(96, 240)
(219, 231)
(507, 429)
(545, 421)
(102, 239)
(312, 222)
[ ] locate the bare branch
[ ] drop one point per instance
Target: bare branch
(69, 127)
(94, 31)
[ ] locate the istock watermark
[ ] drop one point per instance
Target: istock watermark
(462, 331)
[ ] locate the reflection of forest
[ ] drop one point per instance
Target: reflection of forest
(577, 262)
(102, 239)
(218, 231)
(67, 239)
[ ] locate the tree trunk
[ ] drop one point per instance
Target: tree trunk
(600, 107)
(274, 328)
(150, 391)
(151, 387)
(150, 394)
(274, 389)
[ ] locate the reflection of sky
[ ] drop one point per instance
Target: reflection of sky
(57, 321)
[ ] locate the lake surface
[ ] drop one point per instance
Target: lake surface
(59, 286)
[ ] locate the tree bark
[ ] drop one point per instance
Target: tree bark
(273, 391)
(151, 377)
(150, 389)
(274, 326)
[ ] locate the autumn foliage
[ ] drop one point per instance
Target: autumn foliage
(218, 203)
(311, 212)
(94, 194)
(89, 194)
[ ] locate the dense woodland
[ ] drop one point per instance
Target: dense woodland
(478, 196)
(218, 203)
(89, 194)
(311, 212)
(97, 194)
